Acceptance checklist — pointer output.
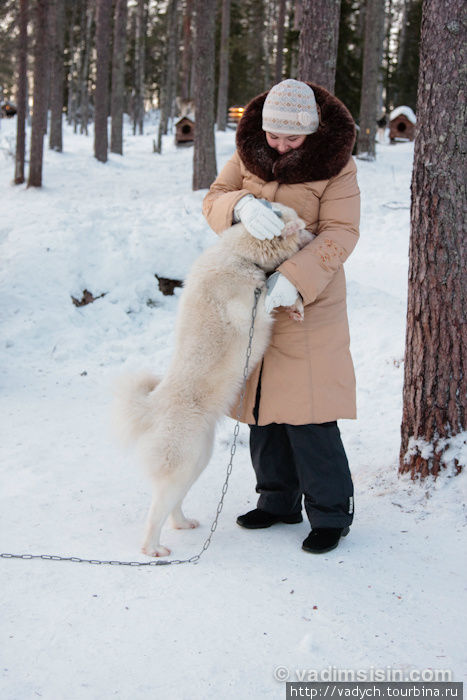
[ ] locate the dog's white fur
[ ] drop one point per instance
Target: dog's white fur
(172, 421)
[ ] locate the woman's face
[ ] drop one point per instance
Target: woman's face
(283, 142)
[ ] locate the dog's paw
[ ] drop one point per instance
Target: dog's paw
(294, 313)
(185, 524)
(158, 551)
(297, 311)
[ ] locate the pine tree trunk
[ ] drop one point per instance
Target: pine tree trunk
(292, 40)
(186, 92)
(401, 39)
(142, 72)
(204, 156)
(297, 14)
(57, 24)
(39, 116)
(223, 67)
(435, 372)
(84, 76)
(72, 88)
(138, 113)
(77, 111)
(118, 77)
(387, 51)
(169, 83)
(406, 73)
(22, 91)
(132, 37)
(269, 29)
(280, 42)
(136, 81)
(101, 99)
(319, 35)
(385, 24)
(256, 58)
(374, 30)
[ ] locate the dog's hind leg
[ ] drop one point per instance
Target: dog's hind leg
(166, 494)
(179, 521)
(167, 499)
(177, 518)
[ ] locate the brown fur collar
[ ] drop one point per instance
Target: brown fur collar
(322, 155)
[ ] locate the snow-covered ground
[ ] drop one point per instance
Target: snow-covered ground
(391, 595)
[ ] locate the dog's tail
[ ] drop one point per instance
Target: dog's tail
(132, 409)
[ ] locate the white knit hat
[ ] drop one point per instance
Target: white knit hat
(290, 108)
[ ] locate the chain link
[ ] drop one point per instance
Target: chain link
(233, 448)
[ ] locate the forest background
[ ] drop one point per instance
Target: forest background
(90, 61)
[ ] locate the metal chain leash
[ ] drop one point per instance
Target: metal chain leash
(194, 559)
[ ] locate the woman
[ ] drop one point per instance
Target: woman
(294, 146)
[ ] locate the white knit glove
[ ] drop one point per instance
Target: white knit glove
(258, 218)
(280, 292)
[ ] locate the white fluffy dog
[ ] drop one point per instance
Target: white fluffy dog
(172, 420)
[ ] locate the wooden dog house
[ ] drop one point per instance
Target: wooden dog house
(184, 131)
(402, 122)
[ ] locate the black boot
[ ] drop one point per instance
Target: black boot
(323, 539)
(258, 518)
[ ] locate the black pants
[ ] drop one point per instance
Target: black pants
(291, 460)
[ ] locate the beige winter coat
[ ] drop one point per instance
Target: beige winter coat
(307, 374)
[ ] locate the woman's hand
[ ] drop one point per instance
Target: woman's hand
(258, 218)
(280, 292)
